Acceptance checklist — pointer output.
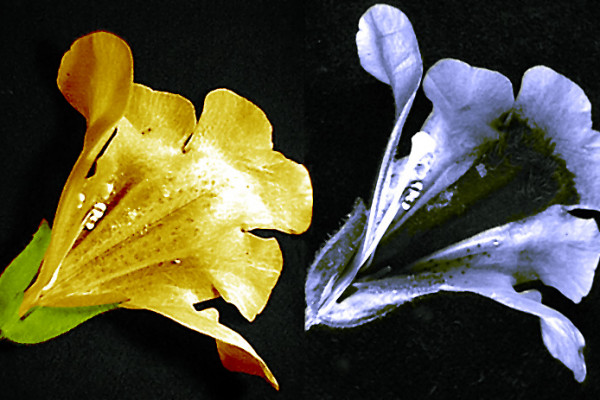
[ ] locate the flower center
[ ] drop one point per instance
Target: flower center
(516, 176)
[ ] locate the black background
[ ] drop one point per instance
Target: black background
(297, 61)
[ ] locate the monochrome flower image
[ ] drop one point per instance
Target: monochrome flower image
(482, 204)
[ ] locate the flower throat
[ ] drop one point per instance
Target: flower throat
(515, 176)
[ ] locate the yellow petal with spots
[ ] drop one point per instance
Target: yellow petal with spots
(160, 218)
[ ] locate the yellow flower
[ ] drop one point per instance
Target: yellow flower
(158, 210)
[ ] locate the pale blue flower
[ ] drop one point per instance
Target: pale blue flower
(518, 165)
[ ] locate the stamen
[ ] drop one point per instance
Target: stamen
(94, 215)
(411, 193)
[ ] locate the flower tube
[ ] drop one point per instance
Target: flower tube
(481, 204)
(158, 211)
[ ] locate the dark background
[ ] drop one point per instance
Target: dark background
(297, 61)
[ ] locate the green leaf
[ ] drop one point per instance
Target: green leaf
(41, 323)
(19, 274)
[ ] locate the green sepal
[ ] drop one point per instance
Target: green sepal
(41, 323)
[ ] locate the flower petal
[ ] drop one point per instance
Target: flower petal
(96, 77)
(241, 268)
(169, 115)
(243, 131)
(564, 341)
(553, 246)
(466, 100)
(388, 49)
(557, 105)
(235, 352)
